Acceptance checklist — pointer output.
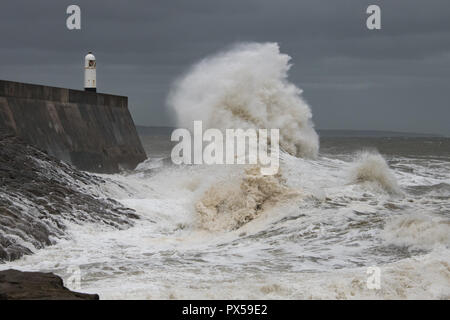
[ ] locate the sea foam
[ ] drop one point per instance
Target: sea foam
(246, 87)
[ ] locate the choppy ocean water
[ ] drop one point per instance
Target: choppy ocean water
(341, 213)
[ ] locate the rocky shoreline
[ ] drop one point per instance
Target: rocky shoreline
(40, 194)
(18, 285)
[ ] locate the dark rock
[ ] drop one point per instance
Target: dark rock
(39, 194)
(18, 285)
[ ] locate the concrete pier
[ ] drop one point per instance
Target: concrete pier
(92, 131)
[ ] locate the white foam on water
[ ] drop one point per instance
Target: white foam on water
(371, 167)
(246, 87)
(309, 247)
(418, 231)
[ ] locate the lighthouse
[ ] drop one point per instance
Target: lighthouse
(90, 76)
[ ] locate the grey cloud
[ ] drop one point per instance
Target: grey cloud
(352, 77)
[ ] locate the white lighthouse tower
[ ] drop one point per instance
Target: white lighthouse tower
(90, 74)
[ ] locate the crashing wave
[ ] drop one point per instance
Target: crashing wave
(372, 168)
(228, 205)
(246, 87)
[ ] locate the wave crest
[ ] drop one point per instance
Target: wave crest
(418, 231)
(246, 87)
(230, 204)
(372, 168)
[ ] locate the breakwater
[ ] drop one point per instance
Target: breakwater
(92, 131)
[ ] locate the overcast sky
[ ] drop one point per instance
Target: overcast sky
(396, 78)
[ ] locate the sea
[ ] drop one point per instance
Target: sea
(320, 241)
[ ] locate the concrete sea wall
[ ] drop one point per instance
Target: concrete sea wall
(92, 131)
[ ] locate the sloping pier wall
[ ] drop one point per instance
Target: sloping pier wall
(92, 131)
